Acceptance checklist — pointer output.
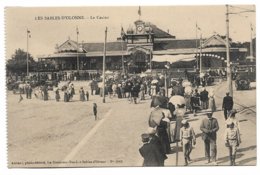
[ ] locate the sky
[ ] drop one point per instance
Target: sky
(50, 26)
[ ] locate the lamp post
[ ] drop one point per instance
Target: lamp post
(104, 66)
(229, 74)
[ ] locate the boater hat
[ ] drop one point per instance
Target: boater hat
(145, 137)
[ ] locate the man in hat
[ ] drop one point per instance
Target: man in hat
(151, 154)
(232, 141)
(227, 105)
(154, 139)
(209, 127)
(204, 98)
(187, 137)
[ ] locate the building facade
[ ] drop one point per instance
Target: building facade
(134, 50)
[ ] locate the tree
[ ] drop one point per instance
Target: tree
(18, 62)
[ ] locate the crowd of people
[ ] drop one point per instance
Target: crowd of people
(166, 122)
(161, 132)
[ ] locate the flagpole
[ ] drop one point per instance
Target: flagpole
(200, 53)
(251, 43)
(77, 49)
(27, 55)
(104, 66)
(123, 66)
(197, 46)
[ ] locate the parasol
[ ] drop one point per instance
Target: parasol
(154, 81)
(188, 90)
(177, 100)
(143, 75)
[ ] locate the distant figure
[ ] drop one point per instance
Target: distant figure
(21, 98)
(204, 99)
(227, 105)
(95, 110)
(87, 95)
(212, 103)
(187, 137)
(57, 95)
(81, 94)
(232, 141)
(209, 127)
(29, 91)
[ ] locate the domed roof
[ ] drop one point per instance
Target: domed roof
(130, 30)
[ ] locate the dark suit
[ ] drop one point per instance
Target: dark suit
(209, 128)
(227, 105)
(152, 155)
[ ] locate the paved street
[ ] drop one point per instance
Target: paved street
(66, 134)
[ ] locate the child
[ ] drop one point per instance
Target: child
(187, 137)
(87, 95)
(95, 110)
(232, 141)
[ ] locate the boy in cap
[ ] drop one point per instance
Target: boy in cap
(187, 138)
(232, 141)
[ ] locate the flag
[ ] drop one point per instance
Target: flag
(28, 32)
(139, 11)
(197, 27)
(77, 30)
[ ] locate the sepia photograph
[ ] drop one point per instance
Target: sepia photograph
(131, 86)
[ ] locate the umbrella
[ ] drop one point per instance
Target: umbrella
(109, 72)
(148, 71)
(155, 117)
(177, 100)
(186, 83)
(143, 75)
(188, 90)
(154, 81)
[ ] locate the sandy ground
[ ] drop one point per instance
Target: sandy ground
(57, 134)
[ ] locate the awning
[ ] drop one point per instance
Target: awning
(173, 58)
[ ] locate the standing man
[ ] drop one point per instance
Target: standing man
(204, 99)
(227, 105)
(209, 127)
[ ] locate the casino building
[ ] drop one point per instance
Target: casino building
(136, 49)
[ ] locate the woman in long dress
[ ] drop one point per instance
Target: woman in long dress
(212, 104)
